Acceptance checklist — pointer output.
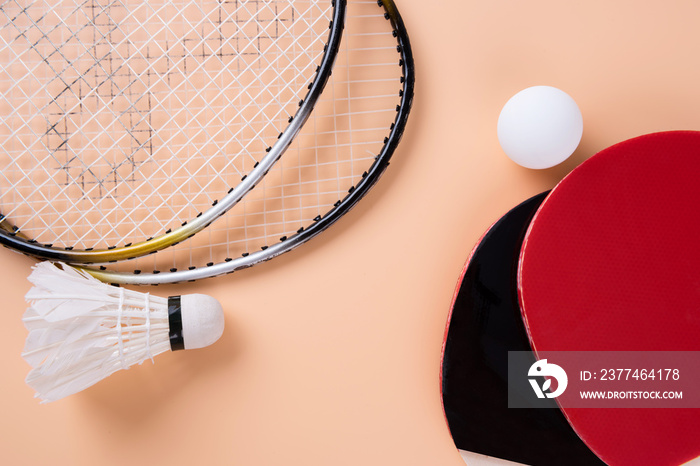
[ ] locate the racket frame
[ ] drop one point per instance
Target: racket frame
(320, 223)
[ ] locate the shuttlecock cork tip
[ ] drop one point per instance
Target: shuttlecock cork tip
(202, 320)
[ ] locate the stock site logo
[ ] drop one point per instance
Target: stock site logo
(542, 368)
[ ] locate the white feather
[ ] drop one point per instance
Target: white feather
(61, 293)
(82, 330)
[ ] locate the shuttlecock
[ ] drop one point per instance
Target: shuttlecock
(82, 330)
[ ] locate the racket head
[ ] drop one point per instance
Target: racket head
(338, 156)
(133, 125)
(483, 326)
(610, 264)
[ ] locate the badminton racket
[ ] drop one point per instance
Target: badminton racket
(337, 157)
(130, 125)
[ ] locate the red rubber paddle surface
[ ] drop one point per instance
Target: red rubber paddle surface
(611, 262)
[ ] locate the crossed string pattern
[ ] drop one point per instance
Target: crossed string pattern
(127, 118)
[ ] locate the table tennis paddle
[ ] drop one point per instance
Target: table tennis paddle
(611, 262)
(485, 324)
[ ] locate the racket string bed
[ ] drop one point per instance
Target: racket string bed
(132, 125)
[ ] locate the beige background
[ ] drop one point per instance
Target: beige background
(331, 354)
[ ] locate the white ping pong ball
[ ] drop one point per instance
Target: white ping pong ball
(540, 127)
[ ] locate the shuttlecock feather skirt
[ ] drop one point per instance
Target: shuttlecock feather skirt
(82, 330)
